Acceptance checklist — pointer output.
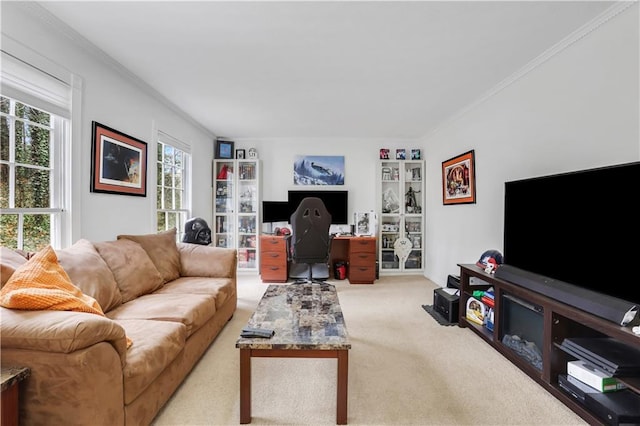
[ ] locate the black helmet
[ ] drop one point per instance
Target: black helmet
(196, 231)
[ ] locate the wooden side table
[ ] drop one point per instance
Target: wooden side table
(11, 378)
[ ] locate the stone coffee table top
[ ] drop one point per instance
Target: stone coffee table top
(303, 316)
(12, 375)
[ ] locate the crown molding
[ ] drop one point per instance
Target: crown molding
(574, 37)
(36, 10)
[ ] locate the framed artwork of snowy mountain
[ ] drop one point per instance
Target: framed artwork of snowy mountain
(318, 170)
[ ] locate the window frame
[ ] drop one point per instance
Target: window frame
(59, 145)
(183, 213)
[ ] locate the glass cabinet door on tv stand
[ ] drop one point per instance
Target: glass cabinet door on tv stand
(236, 209)
(400, 214)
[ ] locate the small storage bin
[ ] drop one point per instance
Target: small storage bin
(340, 270)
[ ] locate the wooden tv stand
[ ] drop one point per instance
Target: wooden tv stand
(558, 321)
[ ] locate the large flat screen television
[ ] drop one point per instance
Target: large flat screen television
(581, 228)
(336, 202)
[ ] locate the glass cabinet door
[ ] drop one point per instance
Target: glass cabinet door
(389, 231)
(413, 217)
(390, 209)
(224, 202)
(248, 209)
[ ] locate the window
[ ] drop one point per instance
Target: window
(31, 188)
(173, 195)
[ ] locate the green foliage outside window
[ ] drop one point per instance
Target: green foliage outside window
(25, 175)
(170, 192)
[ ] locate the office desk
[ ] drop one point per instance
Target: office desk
(358, 252)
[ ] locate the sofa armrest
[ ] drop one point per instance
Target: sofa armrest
(84, 387)
(207, 261)
(59, 331)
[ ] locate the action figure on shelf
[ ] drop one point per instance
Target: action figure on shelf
(410, 201)
(390, 202)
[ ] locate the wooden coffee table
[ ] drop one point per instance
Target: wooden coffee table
(11, 378)
(308, 323)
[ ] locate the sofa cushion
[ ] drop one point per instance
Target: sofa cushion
(89, 272)
(132, 268)
(9, 262)
(158, 343)
(207, 261)
(192, 310)
(162, 251)
(42, 284)
(222, 288)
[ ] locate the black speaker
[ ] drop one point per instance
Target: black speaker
(604, 306)
(446, 304)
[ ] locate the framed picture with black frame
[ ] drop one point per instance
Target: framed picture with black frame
(224, 149)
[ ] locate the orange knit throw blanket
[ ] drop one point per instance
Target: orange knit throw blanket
(42, 284)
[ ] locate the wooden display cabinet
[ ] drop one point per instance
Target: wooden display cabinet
(401, 197)
(236, 209)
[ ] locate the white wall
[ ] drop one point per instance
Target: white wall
(577, 110)
(118, 102)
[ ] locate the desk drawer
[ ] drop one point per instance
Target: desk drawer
(362, 245)
(274, 273)
(362, 274)
(269, 243)
(273, 258)
(362, 259)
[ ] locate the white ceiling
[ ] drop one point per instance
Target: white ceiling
(353, 69)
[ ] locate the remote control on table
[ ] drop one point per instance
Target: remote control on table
(257, 332)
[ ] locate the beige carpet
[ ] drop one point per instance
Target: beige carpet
(404, 369)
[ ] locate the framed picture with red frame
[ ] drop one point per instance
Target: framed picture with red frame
(458, 179)
(118, 162)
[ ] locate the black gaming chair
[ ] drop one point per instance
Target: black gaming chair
(310, 239)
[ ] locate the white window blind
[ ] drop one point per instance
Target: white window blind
(34, 87)
(176, 143)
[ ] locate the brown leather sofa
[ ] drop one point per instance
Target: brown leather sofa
(170, 299)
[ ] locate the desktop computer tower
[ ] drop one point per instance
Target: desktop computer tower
(447, 305)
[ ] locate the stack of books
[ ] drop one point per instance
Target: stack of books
(488, 298)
